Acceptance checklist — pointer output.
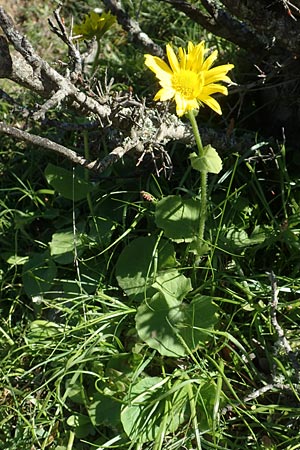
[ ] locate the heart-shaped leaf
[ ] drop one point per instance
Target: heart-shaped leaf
(210, 161)
(175, 328)
(178, 217)
(147, 414)
(141, 262)
(70, 185)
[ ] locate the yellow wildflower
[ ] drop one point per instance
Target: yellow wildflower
(94, 25)
(189, 79)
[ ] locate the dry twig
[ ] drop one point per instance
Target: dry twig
(133, 28)
(135, 126)
(41, 77)
(282, 340)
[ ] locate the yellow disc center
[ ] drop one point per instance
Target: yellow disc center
(187, 83)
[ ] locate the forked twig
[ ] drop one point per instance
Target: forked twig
(42, 75)
(44, 143)
(61, 31)
(282, 340)
(133, 28)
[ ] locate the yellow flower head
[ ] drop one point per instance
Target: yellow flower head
(94, 25)
(189, 79)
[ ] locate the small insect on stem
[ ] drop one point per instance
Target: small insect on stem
(148, 197)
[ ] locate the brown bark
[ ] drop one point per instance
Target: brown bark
(143, 131)
(259, 26)
(221, 23)
(267, 32)
(277, 21)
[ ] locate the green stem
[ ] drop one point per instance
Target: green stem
(71, 440)
(194, 416)
(203, 176)
(218, 397)
(9, 340)
(203, 207)
(192, 118)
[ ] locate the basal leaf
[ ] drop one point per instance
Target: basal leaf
(63, 244)
(67, 183)
(81, 424)
(173, 283)
(140, 422)
(140, 263)
(157, 322)
(43, 332)
(104, 410)
(200, 316)
(178, 217)
(175, 328)
(38, 274)
(206, 403)
(153, 407)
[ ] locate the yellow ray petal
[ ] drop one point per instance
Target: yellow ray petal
(213, 104)
(158, 66)
(214, 88)
(210, 60)
(172, 58)
(218, 73)
(164, 94)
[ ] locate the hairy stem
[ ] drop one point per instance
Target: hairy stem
(203, 177)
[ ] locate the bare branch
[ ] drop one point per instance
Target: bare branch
(97, 165)
(54, 101)
(272, 387)
(221, 23)
(271, 22)
(45, 74)
(137, 35)
(74, 53)
(282, 340)
(43, 143)
(16, 69)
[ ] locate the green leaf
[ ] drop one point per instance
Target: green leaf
(206, 398)
(260, 234)
(101, 230)
(210, 162)
(104, 410)
(178, 217)
(14, 260)
(67, 183)
(154, 407)
(43, 332)
(75, 391)
(177, 407)
(63, 244)
(139, 421)
(140, 263)
(38, 274)
(172, 327)
(81, 424)
(200, 318)
(157, 324)
(237, 238)
(173, 284)
(24, 218)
